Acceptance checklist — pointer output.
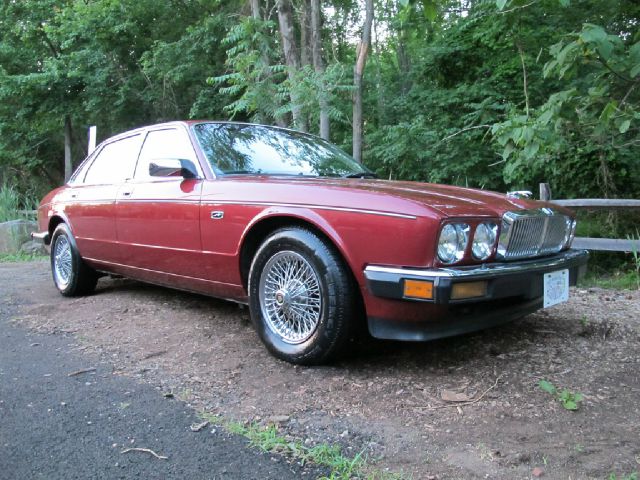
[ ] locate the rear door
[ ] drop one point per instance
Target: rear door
(158, 221)
(90, 206)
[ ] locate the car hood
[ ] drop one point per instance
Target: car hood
(413, 198)
(448, 200)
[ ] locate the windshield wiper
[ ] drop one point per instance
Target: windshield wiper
(360, 175)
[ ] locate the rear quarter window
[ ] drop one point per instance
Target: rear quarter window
(115, 162)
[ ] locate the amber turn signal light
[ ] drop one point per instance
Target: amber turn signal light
(460, 291)
(418, 289)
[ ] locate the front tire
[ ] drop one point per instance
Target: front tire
(301, 297)
(71, 276)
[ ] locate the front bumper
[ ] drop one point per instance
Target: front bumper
(513, 289)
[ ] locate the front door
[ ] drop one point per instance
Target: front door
(158, 222)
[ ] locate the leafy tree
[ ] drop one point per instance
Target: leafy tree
(490, 93)
(588, 130)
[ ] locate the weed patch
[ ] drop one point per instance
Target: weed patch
(21, 257)
(568, 399)
(268, 439)
(631, 476)
(13, 204)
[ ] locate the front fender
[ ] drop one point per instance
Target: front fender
(276, 216)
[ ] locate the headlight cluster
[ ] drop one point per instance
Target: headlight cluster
(454, 238)
(453, 242)
(483, 240)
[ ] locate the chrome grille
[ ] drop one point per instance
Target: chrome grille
(532, 233)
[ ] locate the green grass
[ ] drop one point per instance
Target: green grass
(21, 257)
(9, 203)
(268, 439)
(615, 270)
(617, 279)
(631, 476)
(13, 203)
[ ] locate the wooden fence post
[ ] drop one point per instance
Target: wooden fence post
(545, 192)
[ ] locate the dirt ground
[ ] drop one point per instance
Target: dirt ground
(386, 399)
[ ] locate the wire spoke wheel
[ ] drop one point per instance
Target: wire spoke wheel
(300, 297)
(62, 261)
(71, 275)
(290, 297)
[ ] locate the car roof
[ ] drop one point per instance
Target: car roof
(188, 123)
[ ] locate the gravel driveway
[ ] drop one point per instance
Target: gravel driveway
(392, 401)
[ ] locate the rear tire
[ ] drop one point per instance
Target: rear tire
(301, 297)
(71, 276)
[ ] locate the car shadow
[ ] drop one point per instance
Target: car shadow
(364, 351)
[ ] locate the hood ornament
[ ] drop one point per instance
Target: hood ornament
(520, 194)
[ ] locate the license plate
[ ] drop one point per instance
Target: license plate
(556, 287)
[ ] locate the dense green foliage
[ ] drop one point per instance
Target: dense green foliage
(492, 93)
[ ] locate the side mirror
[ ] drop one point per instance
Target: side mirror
(173, 167)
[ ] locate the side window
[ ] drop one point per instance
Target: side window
(81, 171)
(115, 162)
(168, 144)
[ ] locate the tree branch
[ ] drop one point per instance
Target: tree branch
(48, 41)
(519, 8)
(448, 137)
(524, 78)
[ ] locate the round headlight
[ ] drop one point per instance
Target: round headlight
(483, 240)
(452, 242)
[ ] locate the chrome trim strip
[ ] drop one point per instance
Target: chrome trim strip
(318, 207)
(104, 262)
(157, 200)
(256, 204)
(86, 202)
(159, 247)
(485, 270)
(124, 200)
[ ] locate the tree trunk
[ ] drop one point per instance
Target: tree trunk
(318, 66)
(403, 65)
(285, 20)
(358, 71)
(305, 33)
(305, 47)
(382, 115)
(255, 9)
(68, 167)
(257, 15)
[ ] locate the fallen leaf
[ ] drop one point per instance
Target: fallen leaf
(537, 472)
(278, 419)
(450, 396)
(196, 427)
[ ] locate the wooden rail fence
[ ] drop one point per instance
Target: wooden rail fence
(604, 244)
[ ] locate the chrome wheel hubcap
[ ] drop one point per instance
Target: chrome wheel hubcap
(290, 297)
(62, 261)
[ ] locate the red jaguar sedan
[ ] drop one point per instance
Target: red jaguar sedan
(310, 239)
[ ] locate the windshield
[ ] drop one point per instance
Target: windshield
(255, 149)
